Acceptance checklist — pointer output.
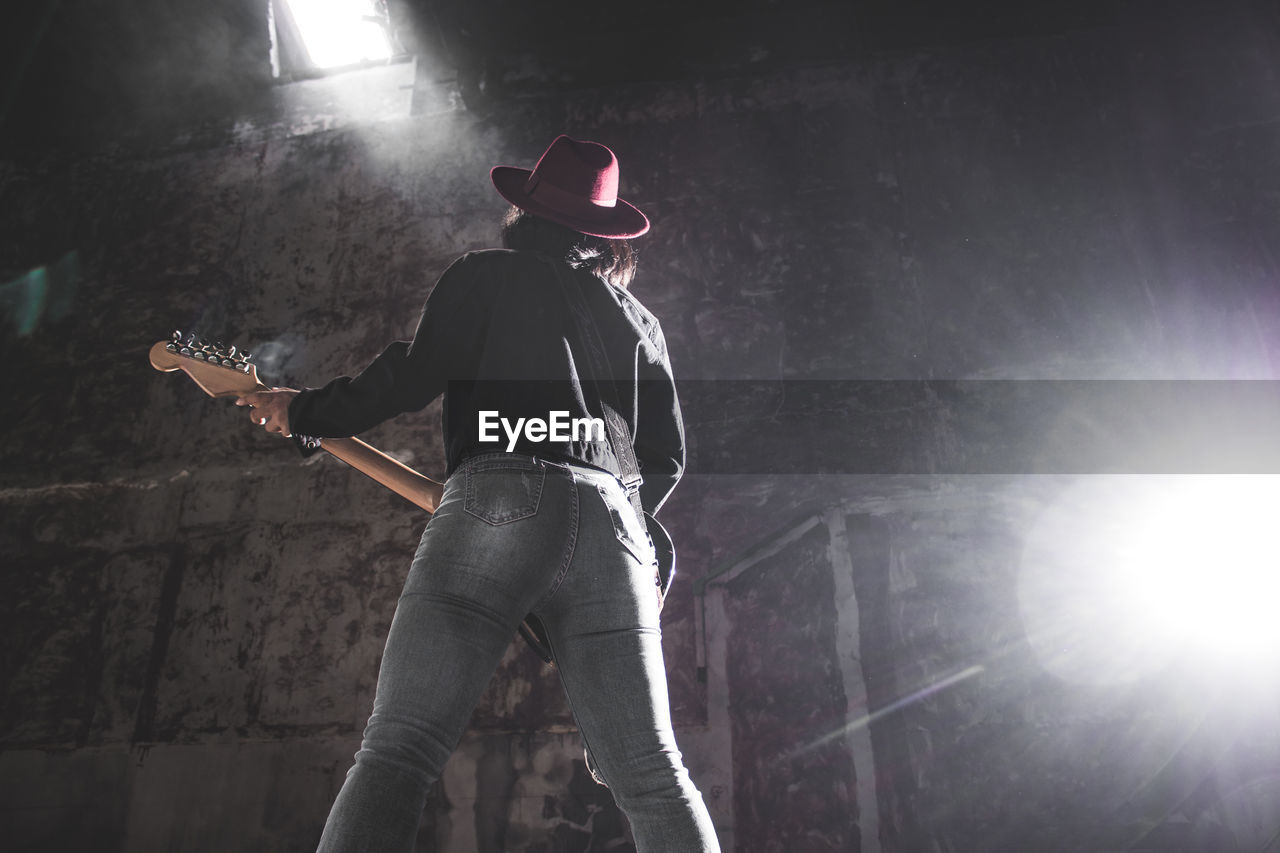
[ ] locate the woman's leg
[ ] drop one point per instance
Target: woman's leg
(603, 624)
(496, 543)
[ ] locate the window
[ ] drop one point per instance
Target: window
(314, 37)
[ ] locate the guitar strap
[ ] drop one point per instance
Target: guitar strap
(606, 390)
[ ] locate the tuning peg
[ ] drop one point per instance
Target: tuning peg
(177, 335)
(231, 351)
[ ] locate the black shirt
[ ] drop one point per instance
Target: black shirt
(496, 336)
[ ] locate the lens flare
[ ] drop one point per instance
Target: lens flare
(1201, 564)
(1123, 575)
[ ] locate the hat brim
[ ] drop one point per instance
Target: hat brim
(622, 221)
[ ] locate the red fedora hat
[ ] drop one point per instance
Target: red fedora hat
(574, 183)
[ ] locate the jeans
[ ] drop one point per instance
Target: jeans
(512, 535)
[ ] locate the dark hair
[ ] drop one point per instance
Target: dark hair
(610, 259)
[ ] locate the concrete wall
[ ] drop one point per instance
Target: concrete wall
(194, 617)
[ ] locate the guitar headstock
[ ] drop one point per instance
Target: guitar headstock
(220, 370)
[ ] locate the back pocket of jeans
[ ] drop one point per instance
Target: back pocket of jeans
(503, 495)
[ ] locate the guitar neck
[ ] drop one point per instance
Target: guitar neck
(221, 372)
(399, 478)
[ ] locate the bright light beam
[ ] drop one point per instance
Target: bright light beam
(1124, 575)
(1202, 566)
(339, 32)
(867, 719)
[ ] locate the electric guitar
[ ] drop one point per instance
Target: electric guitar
(224, 371)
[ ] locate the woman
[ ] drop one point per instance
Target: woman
(533, 521)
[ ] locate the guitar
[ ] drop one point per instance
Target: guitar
(223, 371)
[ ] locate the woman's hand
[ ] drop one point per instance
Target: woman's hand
(270, 409)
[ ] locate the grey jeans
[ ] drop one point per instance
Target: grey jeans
(514, 535)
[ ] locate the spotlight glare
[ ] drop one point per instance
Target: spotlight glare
(1201, 564)
(1123, 576)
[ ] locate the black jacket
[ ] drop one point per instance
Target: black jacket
(496, 336)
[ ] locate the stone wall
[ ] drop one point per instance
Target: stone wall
(194, 616)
